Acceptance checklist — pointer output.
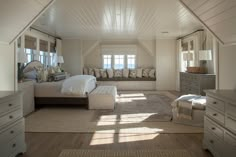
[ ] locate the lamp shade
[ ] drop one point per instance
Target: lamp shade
(205, 55)
(22, 58)
(60, 59)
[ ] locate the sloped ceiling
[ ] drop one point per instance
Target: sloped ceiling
(219, 16)
(106, 19)
(17, 15)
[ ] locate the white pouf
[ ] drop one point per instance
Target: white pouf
(198, 110)
(103, 97)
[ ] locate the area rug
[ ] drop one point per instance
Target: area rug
(147, 106)
(130, 153)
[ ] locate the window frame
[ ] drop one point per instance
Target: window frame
(114, 63)
(103, 61)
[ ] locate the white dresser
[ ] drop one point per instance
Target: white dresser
(27, 88)
(220, 123)
(12, 127)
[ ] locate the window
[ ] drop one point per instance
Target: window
(119, 61)
(107, 61)
(51, 59)
(131, 61)
(29, 54)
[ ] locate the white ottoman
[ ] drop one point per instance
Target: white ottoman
(198, 110)
(103, 97)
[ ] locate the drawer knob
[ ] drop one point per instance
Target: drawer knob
(9, 105)
(10, 117)
(214, 102)
(211, 141)
(213, 128)
(14, 145)
(12, 132)
(215, 114)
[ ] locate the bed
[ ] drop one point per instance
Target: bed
(62, 92)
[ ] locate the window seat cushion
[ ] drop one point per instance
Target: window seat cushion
(126, 79)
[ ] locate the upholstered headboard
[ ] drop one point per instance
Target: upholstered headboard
(32, 65)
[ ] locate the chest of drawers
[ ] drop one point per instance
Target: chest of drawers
(220, 123)
(12, 133)
(196, 83)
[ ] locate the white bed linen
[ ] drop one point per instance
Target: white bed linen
(53, 89)
(77, 85)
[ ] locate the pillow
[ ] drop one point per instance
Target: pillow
(85, 71)
(132, 73)
(57, 69)
(139, 73)
(152, 73)
(40, 74)
(91, 71)
(103, 73)
(110, 73)
(146, 72)
(31, 75)
(126, 73)
(97, 73)
(118, 73)
(45, 75)
(51, 70)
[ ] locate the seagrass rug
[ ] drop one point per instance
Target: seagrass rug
(129, 153)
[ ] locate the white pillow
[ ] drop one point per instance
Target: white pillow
(126, 73)
(110, 73)
(139, 73)
(91, 71)
(132, 73)
(152, 73)
(97, 73)
(146, 72)
(118, 73)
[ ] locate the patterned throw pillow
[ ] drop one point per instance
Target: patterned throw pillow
(85, 71)
(125, 73)
(132, 73)
(139, 73)
(118, 73)
(91, 71)
(146, 72)
(152, 73)
(40, 74)
(110, 73)
(97, 73)
(103, 73)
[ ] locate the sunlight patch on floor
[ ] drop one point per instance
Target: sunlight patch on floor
(99, 139)
(136, 137)
(140, 129)
(131, 95)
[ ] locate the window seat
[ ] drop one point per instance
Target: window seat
(126, 79)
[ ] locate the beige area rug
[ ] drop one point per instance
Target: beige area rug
(121, 120)
(146, 106)
(111, 153)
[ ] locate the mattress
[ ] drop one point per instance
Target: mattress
(53, 89)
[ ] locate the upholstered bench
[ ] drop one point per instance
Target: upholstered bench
(103, 97)
(189, 110)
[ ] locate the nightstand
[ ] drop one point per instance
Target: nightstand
(27, 88)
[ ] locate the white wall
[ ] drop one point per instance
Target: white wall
(7, 67)
(166, 64)
(227, 64)
(71, 51)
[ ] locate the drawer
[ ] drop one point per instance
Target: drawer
(230, 123)
(212, 127)
(231, 110)
(15, 146)
(9, 105)
(11, 117)
(12, 131)
(213, 144)
(215, 115)
(215, 103)
(230, 139)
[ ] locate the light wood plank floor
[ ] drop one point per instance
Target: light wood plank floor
(51, 144)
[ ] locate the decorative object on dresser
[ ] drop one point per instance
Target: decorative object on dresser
(12, 127)
(196, 83)
(27, 88)
(220, 123)
(204, 56)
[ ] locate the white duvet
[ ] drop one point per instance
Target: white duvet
(77, 85)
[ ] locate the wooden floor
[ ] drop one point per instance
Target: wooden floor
(51, 144)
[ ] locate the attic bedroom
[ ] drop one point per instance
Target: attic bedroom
(117, 78)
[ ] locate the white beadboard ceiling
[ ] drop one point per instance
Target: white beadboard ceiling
(219, 16)
(106, 19)
(16, 15)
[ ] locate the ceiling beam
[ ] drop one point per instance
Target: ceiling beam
(146, 48)
(94, 45)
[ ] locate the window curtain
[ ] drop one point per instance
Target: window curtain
(30, 42)
(178, 62)
(43, 45)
